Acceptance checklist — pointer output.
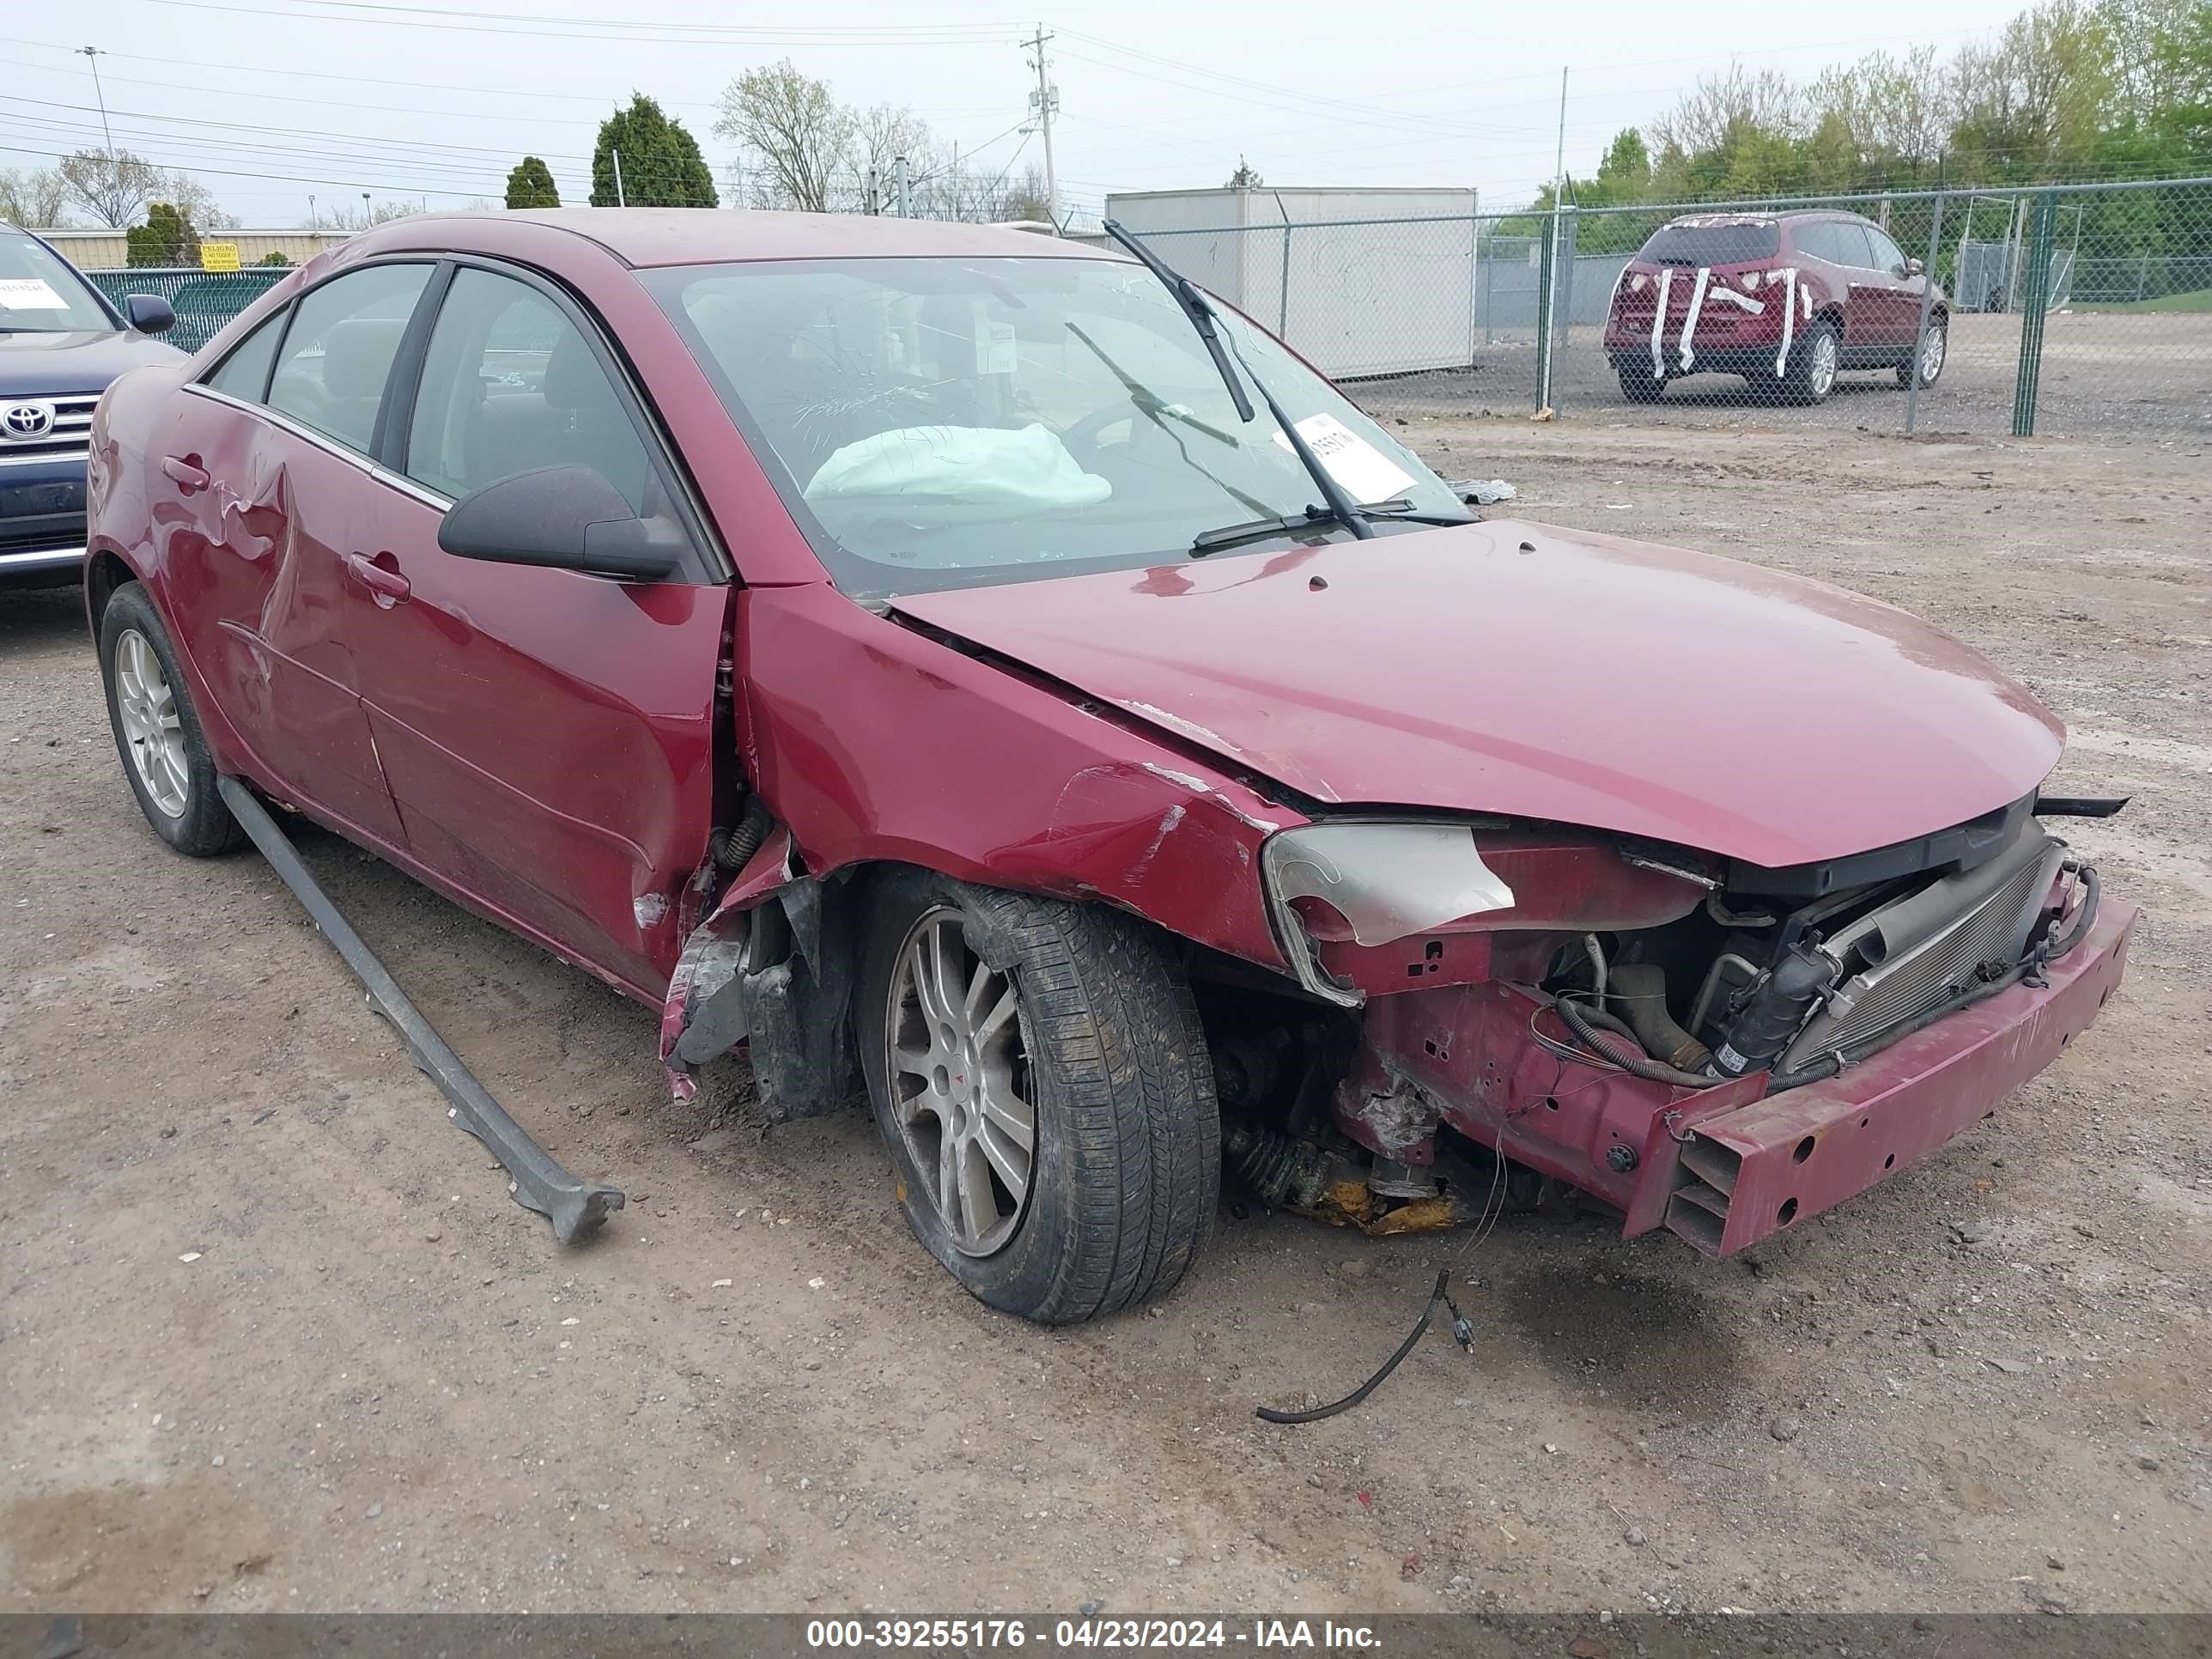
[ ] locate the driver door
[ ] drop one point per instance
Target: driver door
(549, 736)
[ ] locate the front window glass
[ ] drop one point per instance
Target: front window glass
(944, 422)
(511, 385)
(339, 352)
(41, 293)
(1690, 243)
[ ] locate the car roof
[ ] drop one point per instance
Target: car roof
(685, 236)
(1799, 215)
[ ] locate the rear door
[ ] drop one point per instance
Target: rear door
(1866, 309)
(263, 474)
(549, 736)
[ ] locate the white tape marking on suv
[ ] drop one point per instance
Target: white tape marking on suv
(1658, 323)
(1697, 310)
(1789, 319)
(1744, 301)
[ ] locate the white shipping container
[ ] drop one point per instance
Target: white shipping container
(1358, 280)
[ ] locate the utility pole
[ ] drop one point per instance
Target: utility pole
(92, 55)
(898, 174)
(1044, 104)
(615, 155)
(1560, 166)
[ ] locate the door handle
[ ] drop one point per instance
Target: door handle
(186, 471)
(384, 584)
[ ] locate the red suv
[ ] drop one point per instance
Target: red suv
(1786, 301)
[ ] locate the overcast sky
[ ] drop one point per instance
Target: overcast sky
(271, 100)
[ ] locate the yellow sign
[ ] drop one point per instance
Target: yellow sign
(218, 256)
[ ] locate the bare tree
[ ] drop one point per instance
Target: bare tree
(348, 217)
(196, 203)
(113, 185)
(1722, 107)
(882, 134)
(1895, 109)
(33, 197)
(795, 126)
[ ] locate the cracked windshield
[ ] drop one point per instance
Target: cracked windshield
(935, 423)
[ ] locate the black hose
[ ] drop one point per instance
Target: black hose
(1624, 1051)
(2085, 915)
(731, 849)
(1269, 1414)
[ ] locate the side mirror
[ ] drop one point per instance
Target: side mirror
(150, 313)
(1914, 268)
(565, 517)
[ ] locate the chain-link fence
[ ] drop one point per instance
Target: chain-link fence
(202, 300)
(2074, 310)
(2077, 310)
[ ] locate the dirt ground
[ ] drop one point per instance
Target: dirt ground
(2145, 375)
(273, 1337)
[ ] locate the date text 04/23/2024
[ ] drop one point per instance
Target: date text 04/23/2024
(930, 1634)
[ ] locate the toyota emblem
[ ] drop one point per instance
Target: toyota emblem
(23, 422)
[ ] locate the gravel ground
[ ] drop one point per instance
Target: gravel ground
(273, 1337)
(2137, 375)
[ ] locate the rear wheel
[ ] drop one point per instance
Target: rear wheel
(1039, 1075)
(1933, 346)
(1639, 383)
(1810, 375)
(157, 731)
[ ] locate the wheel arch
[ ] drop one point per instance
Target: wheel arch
(104, 571)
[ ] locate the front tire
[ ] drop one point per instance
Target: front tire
(157, 731)
(1039, 1075)
(1934, 346)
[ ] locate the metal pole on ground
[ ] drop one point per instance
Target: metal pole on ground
(1927, 307)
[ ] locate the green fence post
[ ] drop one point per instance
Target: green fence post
(1548, 246)
(2035, 301)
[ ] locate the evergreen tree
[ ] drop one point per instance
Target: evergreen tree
(661, 166)
(531, 185)
(165, 241)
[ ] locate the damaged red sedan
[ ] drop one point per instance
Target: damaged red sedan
(979, 670)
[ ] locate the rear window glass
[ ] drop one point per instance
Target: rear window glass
(1711, 245)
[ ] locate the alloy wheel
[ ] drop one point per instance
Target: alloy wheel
(153, 730)
(1822, 374)
(960, 1081)
(1931, 356)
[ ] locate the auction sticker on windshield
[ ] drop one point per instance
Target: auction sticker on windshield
(30, 294)
(1366, 473)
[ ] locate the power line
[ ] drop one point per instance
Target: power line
(681, 32)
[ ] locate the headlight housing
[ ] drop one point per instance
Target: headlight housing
(1387, 878)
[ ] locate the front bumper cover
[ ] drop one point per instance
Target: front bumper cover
(1723, 1166)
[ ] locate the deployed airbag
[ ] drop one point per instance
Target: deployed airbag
(954, 474)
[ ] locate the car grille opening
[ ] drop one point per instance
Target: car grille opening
(70, 438)
(1988, 936)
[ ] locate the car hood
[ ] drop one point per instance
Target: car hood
(1521, 669)
(54, 364)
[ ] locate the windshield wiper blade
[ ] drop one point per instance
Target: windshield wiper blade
(1194, 307)
(1396, 511)
(1341, 504)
